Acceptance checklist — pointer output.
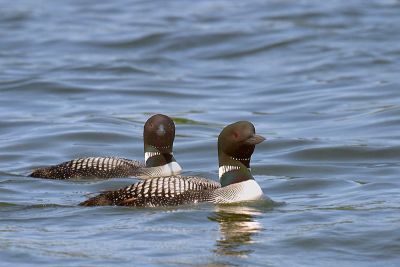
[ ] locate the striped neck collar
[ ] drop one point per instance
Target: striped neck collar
(158, 155)
(154, 159)
(148, 155)
(230, 174)
(226, 168)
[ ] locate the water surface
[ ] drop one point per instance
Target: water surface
(319, 80)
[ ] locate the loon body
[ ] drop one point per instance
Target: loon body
(236, 144)
(158, 138)
(162, 191)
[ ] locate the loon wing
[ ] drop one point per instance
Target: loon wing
(99, 167)
(162, 191)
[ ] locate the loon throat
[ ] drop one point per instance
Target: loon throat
(241, 159)
(148, 155)
(154, 159)
(232, 174)
(226, 168)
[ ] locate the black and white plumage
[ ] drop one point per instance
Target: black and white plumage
(104, 167)
(162, 191)
(236, 144)
(158, 137)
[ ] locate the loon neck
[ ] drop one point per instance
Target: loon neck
(234, 170)
(157, 156)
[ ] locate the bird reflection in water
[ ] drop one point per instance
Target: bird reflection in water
(237, 224)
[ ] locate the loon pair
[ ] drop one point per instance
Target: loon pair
(236, 144)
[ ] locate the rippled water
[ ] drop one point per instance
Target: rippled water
(319, 80)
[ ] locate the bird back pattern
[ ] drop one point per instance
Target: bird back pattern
(99, 167)
(162, 191)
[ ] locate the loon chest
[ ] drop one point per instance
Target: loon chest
(244, 191)
(169, 169)
(237, 185)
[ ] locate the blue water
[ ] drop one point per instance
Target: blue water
(320, 80)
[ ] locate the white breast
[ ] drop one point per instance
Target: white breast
(172, 168)
(243, 191)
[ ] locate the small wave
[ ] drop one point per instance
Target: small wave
(45, 87)
(256, 50)
(13, 16)
(112, 67)
(7, 204)
(142, 41)
(347, 154)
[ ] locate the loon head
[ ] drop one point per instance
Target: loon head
(158, 136)
(236, 144)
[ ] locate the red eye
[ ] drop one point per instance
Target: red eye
(235, 135)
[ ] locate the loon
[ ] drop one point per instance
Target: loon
(236, 144)
(158, 138)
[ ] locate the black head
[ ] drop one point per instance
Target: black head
(236, 142)
(158, 137)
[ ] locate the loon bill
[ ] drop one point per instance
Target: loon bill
(158, 139)
(236, 144)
